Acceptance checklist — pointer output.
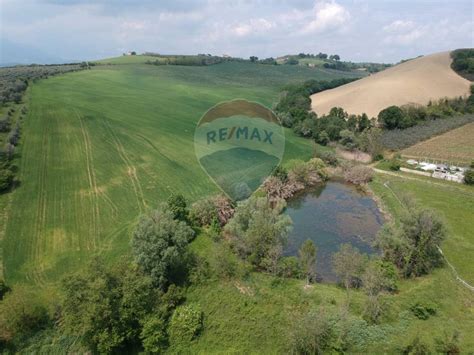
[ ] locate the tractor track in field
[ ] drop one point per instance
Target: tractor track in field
(131, 169)
(40, 222)
(95, 223)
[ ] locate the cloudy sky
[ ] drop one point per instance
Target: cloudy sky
(357, 30)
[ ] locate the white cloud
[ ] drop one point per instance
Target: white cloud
(399, 25)
(252, 26)
(327, 16)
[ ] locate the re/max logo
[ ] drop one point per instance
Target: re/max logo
(239, 133)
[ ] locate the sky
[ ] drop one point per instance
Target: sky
(358, 30)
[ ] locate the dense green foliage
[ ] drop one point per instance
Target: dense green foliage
(413, 247)
(159, 245)
(395, 117)
(258, 232)
(463, 62)
(104, 306)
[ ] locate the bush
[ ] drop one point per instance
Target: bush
(394, 165)
(185, 325)
(329, 157)
(289, 267)
(203, 212)
(469, 177)
(6, 177)
(422, 310)
(359, 174)
(22, 314)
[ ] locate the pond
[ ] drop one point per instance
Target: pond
(331, 215)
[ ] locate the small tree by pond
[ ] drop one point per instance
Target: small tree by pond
(413, 247)
(308, 259)
(349, 264)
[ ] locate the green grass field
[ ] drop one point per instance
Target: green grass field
(99, 147)
(127, 59)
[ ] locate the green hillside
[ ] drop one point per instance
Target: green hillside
(102, 146)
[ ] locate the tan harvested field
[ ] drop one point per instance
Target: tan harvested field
(456, 146)
(416, 81)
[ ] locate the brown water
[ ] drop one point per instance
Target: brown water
(331, 215)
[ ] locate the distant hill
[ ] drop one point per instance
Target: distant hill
(415, 81)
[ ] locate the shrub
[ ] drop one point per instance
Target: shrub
(469, 177)
(289, 267)
(422, 310)
(153, 335)
(22, 314)
(203, 212)
(185, 325)
(329, 157)
(394, 165)
(359, 174)
(178, 207)
(315, 333)
(6, 176)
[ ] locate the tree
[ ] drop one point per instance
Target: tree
(392, 117)
(413, 247)
(370, 141)
(203, 212)
(377, 277)
(253, 59)
(323, 138)
(106, 306)
(178, 207)
(349, 264)
(257, 228)
(159, 243)
(307, 255)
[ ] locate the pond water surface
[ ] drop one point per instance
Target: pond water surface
(331, 215)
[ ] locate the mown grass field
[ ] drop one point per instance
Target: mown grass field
(456, 146)
(99, 147)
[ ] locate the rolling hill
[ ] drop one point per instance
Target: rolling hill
(102, 146)
(415, 81)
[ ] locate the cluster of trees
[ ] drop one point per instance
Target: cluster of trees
(413, 246)
(394, 117)
(463, 62)
(188, 60)
(6, 153)
(294, 105)
(14, 80)
(352, 131)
